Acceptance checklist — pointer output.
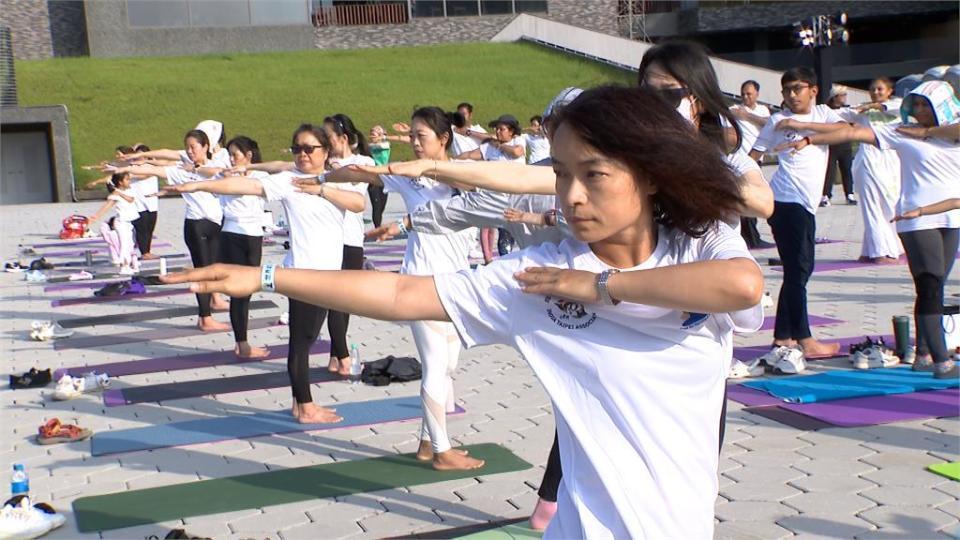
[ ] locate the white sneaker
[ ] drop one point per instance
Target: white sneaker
(35, 276)
(773, 356)
(873, 358)
(80, 276)
(47, 330)
(71, 387)
(126, 271)
(23, 521)
(910, 356)
(742, 370)
(791, 363)
(284, 318)
(766, 301)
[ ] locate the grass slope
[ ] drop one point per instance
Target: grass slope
(266, 95)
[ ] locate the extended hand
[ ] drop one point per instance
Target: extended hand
(788, 123)
(909, 214)
(233, 280)
(513, 215)
(383, 232)
(796, 145)
(576, 285)
(413, 169)
(401, 127)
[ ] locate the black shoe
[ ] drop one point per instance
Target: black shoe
(41, 264)
(112, 289)
(773, 261)
(763, 244)
(31, 379)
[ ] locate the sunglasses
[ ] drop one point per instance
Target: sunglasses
(305, 148)
(671, 96)
(794, 89)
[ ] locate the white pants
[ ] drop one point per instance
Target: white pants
(878, 205)
(120, 240)
(439, 347)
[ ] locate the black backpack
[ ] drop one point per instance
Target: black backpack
(391, 369)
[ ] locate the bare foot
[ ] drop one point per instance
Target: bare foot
(244, 350)
(452, 460)
(345, 366)
(813, 349)
(209, 324)
(543, 512)
(217, 303)
(295, 409)
(311, 413)
(785, 342)
(425, 452)
(148, 257)
(885, 260)
(334, 365)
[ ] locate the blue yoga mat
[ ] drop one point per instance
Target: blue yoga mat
(207, 430)
(834, 385)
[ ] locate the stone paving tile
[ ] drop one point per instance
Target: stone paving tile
(911, 519)
(906, 496)
(753, 511)
(749, 530)
(838, 466)
(838, 524)
(830, 502)
(904, 476)
(759, 491)
(833, 483)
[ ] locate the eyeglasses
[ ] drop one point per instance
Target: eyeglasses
(671, 96)
(795, 89)
(305, 148)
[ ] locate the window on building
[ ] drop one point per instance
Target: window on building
(526, 6)
(231, 13)
(279, 12)
(496, 7)
(427, 8)
(462, 8)
(158, 13)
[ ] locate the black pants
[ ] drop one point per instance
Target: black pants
(749, 231)
(554, 472)
(794, 231)
(306, 320)
(930, 254)
(378, 201)
(338, 321)
(840, 157)
(203, 240)
(246, 250)
(143, 228)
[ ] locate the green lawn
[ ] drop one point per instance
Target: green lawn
(265, 96)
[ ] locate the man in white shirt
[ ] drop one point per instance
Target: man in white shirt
(751, 116)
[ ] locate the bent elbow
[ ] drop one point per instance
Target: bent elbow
(748, 287)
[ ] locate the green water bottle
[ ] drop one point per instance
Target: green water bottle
(901, 333)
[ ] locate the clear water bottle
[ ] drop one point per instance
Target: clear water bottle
(19, 481)
(356, 367)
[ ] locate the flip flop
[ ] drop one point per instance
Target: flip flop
(54, 432)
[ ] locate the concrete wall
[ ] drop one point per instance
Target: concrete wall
(27, 175)
(68, 27)
(29, 26)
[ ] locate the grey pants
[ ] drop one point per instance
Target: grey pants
(930, 254)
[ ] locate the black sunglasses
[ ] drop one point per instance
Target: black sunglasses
(305, 148)
(671, 96)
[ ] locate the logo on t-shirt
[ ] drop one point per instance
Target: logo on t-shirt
(792, 135)
(569, 315)
(692, 320)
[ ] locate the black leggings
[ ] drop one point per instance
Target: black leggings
(554, 472)
(930, 253)
(203, 240)
(143, 227)
(378, 201)
(337, 322)
(305, 323)
(839, 157)
(246, 250)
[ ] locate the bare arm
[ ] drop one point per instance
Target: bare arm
(354, 173)
(950, 132)
(845, 133)
(816, 127)
(169, 155)
(272, 167)
(378, 295)
(101, 212)
(502, 176)
(351, 201)
(474, 155)
(143, 170)
(233, 185)
(513, 151)
(930, 209)
(757, 196)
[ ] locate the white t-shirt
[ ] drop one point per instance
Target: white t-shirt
(429, 254)
(538, 147)
(200, 205)
(316, 225)
(353, 221)
(929, 173)
(243, 214)
(799, 178)
(637, 390)
(145, 190)
(220, 158)
(748, 130)
(493, 153)
(462, 143)
(125, 211)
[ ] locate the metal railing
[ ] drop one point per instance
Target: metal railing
(361, 14)
(8, 77)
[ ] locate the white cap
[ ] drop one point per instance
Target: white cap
(213, 130)
(565, 96)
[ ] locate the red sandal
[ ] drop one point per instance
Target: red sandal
(54, 432)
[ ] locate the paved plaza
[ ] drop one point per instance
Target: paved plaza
(775, 481)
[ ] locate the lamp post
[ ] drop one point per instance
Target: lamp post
(820, 34)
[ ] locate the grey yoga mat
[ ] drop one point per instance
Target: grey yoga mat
(206, 430)
(107, 276)
(122, 298)
(153, 315)
(173, 332)
(187, 361)
(209, 387)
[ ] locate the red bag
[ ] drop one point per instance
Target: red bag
(74, 227)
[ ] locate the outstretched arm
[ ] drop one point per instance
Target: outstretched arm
(356, 173)
(232, 185)
(350, 201)
(502, 176)
(272, 167)
(378, 295)
(950, 132)
(164, 154)
(930, 209)
(110, 203)
(140, 170)
(831, 134)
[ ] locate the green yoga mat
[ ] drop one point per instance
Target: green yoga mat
(950, 470)
(507, 532)
(146, 506)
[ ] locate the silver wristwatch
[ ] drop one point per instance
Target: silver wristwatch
(602, 291)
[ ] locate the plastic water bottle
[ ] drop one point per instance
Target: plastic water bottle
(163, 266)
(19, 481)
(356, 368)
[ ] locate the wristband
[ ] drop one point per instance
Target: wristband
(267, 275)
(807, 138)
(401, 226)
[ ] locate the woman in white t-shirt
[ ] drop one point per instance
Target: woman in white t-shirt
(430, 136)
(536, 141)
(628, 327)
(203, 216)
(315, 214)
(347, 147)
(118, 233)
(218, 156)
(929, 169)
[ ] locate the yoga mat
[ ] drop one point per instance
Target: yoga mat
(789, 418)
(751, 397)
(871, 411)
(507, 532)
(850, 384)
(77, 264)
(106, 276)
(835, 265)
(176, 363)
(103, 299)
(756, 351)
(173, 332)
(153, 315)
(89, 284)
(949, 470)
(461, 532)
(78, 242)
(206, 430)
(102, 249)
(814, 320)
(208, 387)
(146, 506)
(385, 250)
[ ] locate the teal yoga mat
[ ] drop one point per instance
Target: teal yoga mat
(146, 506)
(364, 413)
(834, 385)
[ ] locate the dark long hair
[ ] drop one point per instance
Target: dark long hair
(316, 131)
(694, 185)
(343, 125)
(689, 63)
(201, 138)
(246, 144)
(438, 121)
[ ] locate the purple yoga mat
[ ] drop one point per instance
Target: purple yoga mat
(102, 249)
(103, 262)
(751, 397)
(171, 332)
(79, 242)
(176, 363)
(814, 320)
(384, 250)
(756, 351)
(870, 411)
(123, 298)
(835, 265)
(89, 284)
